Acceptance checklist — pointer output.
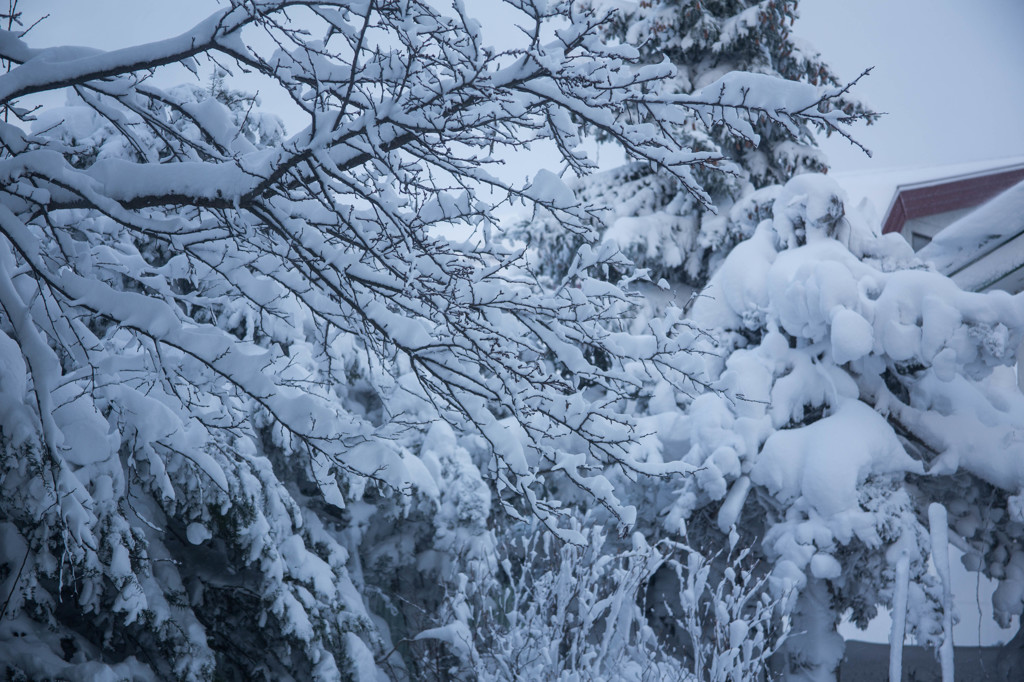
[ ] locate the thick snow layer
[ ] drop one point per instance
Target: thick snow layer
(826, 461)
(852, 336)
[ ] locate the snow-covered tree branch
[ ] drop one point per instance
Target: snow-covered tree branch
(222, 345)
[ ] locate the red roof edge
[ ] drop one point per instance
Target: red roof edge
(941, 196)
(896, 217)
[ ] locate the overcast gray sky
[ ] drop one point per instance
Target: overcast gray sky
(949, 73)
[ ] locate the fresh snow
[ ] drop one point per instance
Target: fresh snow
(261, 417)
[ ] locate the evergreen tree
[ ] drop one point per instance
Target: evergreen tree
(658, 222)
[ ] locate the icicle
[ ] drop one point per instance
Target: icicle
(899, 619)
(940, 559)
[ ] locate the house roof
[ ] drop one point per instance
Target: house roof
(893, 196)
(949, 194)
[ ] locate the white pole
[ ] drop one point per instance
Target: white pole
(899, 619)
(940, 559)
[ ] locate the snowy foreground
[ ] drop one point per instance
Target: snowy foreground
(260, 418)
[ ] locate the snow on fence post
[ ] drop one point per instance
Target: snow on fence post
(940, 558)
(899, 619)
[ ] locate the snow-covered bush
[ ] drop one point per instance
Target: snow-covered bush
(852, 387)
(557, 611)
(565, 612)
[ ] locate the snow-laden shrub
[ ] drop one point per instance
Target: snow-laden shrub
(571, 613)
(733, 626)
(852, 386)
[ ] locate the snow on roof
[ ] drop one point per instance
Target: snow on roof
(874, 191)
(970, 249)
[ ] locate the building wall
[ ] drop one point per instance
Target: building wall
(919, 231)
